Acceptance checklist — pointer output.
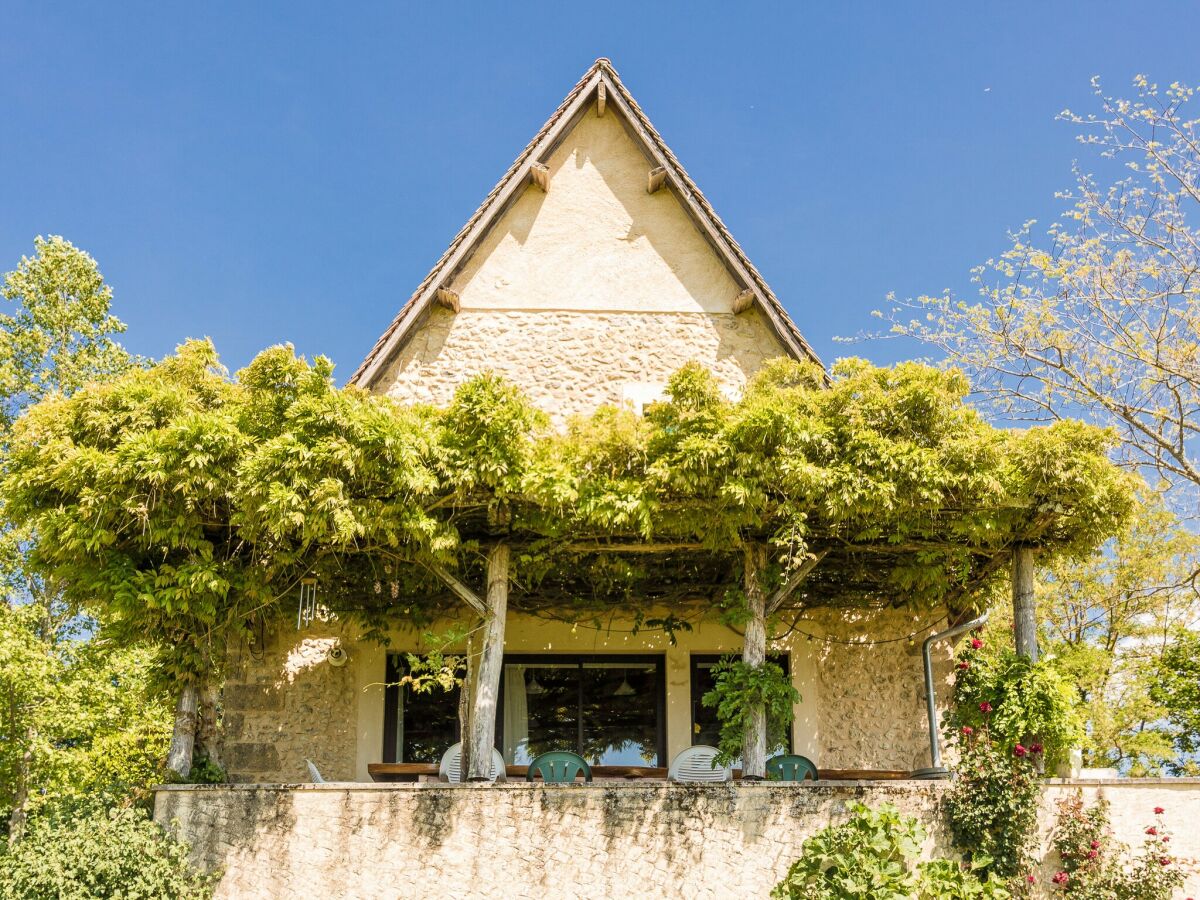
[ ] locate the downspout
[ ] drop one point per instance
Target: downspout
(936, 769)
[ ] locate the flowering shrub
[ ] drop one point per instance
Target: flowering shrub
(1023, 704)
(872, 855)
(1094, 866)
(992, 803)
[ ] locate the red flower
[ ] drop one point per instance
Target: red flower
(976, 643)
(1061, 878)
(1158, 810)
(985, 707)
(1019, 751)
(1166, 839)
(1166, 860)
(1095, 845)
(963, 666)
(1035, 748)
(1032, 879)
(968, 730)
(1151, 830)
(1092, 854)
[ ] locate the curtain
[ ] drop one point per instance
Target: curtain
(516, 717)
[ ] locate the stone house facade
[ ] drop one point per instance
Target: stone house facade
(592, 272)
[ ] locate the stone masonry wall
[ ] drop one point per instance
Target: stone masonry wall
(872, 711)
(620, 839)
(574, 362)
(285, 703)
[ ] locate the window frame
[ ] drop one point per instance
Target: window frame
(580, 659)
(695, 660)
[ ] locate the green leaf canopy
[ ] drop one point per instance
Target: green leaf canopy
(185, 503)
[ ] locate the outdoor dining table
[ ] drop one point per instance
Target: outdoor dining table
(385, 772)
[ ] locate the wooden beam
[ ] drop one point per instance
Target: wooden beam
(487, 677)
(541, 175)
(743, 301)
(658, 175)
(601, 98)
(449, 299)
(630, 548)
(785, 590)
(754, 654)
(463, 592)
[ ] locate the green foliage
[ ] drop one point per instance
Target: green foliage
(1177, 689)
(1095, 866)
(205, 771)
(1111, 623)
(1016, 702)
(117, 853)
(738, 688)
(992, 806)
(872, 855)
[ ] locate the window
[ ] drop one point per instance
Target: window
(417, 727)
(706, 728)
(611, 710)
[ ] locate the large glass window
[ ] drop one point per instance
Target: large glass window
(608, 709)
(417, 726)
(706, 728)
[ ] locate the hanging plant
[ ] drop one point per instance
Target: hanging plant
(738, 690)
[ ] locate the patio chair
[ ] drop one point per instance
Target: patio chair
(698, 763)
(313, 772)
(559, 767)
(790, 767)
(450, 768)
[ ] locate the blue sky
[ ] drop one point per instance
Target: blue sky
(262, 173)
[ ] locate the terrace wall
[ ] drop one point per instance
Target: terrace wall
(622, 839)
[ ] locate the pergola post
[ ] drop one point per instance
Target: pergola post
(487, 677)
(754, 653)
(1024, 609)
(183, 738)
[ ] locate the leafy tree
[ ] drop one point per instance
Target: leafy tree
(1111, 622)
(1177, 691)
(74, 717)
(1101, 318)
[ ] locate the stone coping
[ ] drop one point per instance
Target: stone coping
(641, 784)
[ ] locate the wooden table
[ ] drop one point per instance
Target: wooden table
(414, 772)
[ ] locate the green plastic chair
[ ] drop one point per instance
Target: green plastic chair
(559, 767)
(787, 767)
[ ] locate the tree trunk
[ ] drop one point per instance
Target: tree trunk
(487, 682)
(18, 815)
(1024, 610)
(754, 653)
(466, 702)
(183, 738)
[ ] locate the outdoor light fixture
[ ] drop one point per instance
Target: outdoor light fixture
(625, 689)
(533, 687)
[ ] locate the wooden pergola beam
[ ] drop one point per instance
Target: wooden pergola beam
(632, 547)
(789, 587)
(601, 98)
(460, 590)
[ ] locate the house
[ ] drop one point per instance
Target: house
(593, 271)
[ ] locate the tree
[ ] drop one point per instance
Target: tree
(1101, 319)
(58, 338)
(1112, 621)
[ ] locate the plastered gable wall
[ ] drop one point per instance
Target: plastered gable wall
(593, 292)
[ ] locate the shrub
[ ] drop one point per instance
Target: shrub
(117, 853)
(992, 805)
(737, 689)
(872, 855)
(1095, 866)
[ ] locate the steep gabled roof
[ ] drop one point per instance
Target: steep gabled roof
(599, 80)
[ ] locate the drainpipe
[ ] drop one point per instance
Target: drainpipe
(936, 769)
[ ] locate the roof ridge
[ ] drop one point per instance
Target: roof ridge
(601, 68)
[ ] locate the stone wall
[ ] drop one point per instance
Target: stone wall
(284, 703)
(617, 839)
(573, 362)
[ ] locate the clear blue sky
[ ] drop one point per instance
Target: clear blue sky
(265, 173)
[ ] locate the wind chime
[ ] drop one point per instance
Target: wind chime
(308, 603)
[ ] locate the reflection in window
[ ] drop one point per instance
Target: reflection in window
(610, 711)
